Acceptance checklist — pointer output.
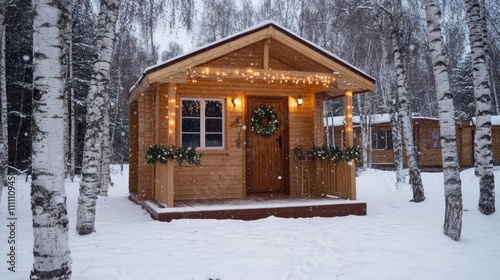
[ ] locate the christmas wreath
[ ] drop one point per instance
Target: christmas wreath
(264, 120)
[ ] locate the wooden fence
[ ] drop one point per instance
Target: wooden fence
(335, 179)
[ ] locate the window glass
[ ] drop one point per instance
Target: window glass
(381, 139)
(202, 126)
(190, 125)
(436, 143)
(213, 140)
(213, 108)
(191, 108)
(389, 139)
(374, 140)
(190, 140)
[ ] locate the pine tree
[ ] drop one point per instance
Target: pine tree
(462, 83)
(51, 251)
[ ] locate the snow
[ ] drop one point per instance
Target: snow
(375, 119)
(396, 240)
(495, 120)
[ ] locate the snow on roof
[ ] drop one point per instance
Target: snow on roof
(495, 120)
(243, 33)
(375, 119)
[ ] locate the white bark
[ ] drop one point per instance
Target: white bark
(482, 92)
(51, 251)
(403, 105)
(105, 160)
(96, 101)
(4, 152)
(390, 102)
(451, 171)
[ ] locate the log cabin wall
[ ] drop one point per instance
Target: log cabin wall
(426, 136)
(465, 143)
(133, 157)
(495, 141)
(221, 173)
(145, 114)
(428, 143)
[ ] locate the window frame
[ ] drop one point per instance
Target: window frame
(203, 118)
(387, 142)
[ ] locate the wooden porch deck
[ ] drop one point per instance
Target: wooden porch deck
(254, 207)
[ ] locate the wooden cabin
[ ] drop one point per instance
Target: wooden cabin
(495, 138)
(426, 137)
(207, 98)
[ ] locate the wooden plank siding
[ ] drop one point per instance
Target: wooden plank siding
(495, 141)
(133, 176)
(145, 138)
(428, 156)
(221, 173)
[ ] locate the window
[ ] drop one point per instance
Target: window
(382, 140)
(202, 123)
(432, 140)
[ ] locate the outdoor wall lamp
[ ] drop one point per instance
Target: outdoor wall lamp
(236, 102)
(300, 100)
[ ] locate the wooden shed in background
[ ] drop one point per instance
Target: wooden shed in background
(426, 136)
(206, 99)
(495, 138)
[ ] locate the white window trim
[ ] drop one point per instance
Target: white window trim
(202, 122)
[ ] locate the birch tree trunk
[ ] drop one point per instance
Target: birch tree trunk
(391, 103)
(4, 152)
(96, 102)
(451, 171)
(105, 160)
(403, 104)
(51, 251)
(482, 143)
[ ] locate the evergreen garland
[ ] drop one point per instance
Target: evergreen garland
(160, 154)
(259, 114)
(335, 153)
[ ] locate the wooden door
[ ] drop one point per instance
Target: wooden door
(267, 156)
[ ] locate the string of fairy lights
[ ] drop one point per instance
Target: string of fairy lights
(271, 76)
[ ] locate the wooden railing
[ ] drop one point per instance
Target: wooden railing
(336, 179)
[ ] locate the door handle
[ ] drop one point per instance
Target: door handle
(280, 140)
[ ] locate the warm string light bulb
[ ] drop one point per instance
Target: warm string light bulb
(268, 75)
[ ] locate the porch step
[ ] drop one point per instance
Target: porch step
(248, 210)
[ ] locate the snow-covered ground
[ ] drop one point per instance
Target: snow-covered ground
(396, 240)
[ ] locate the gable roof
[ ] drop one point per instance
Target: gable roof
(175, 69)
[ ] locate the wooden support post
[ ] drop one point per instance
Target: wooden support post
(172, 102)
(350, 141)
(157, 183)
(265, 64)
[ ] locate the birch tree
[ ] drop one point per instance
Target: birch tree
(395, 14)
(96, 103)
(390, 99)
(4, 154)
(484, 160)
(51, 251)
(451, 171)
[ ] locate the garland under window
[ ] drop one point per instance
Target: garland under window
(160, 154)
(336, 154)
(260, 114)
